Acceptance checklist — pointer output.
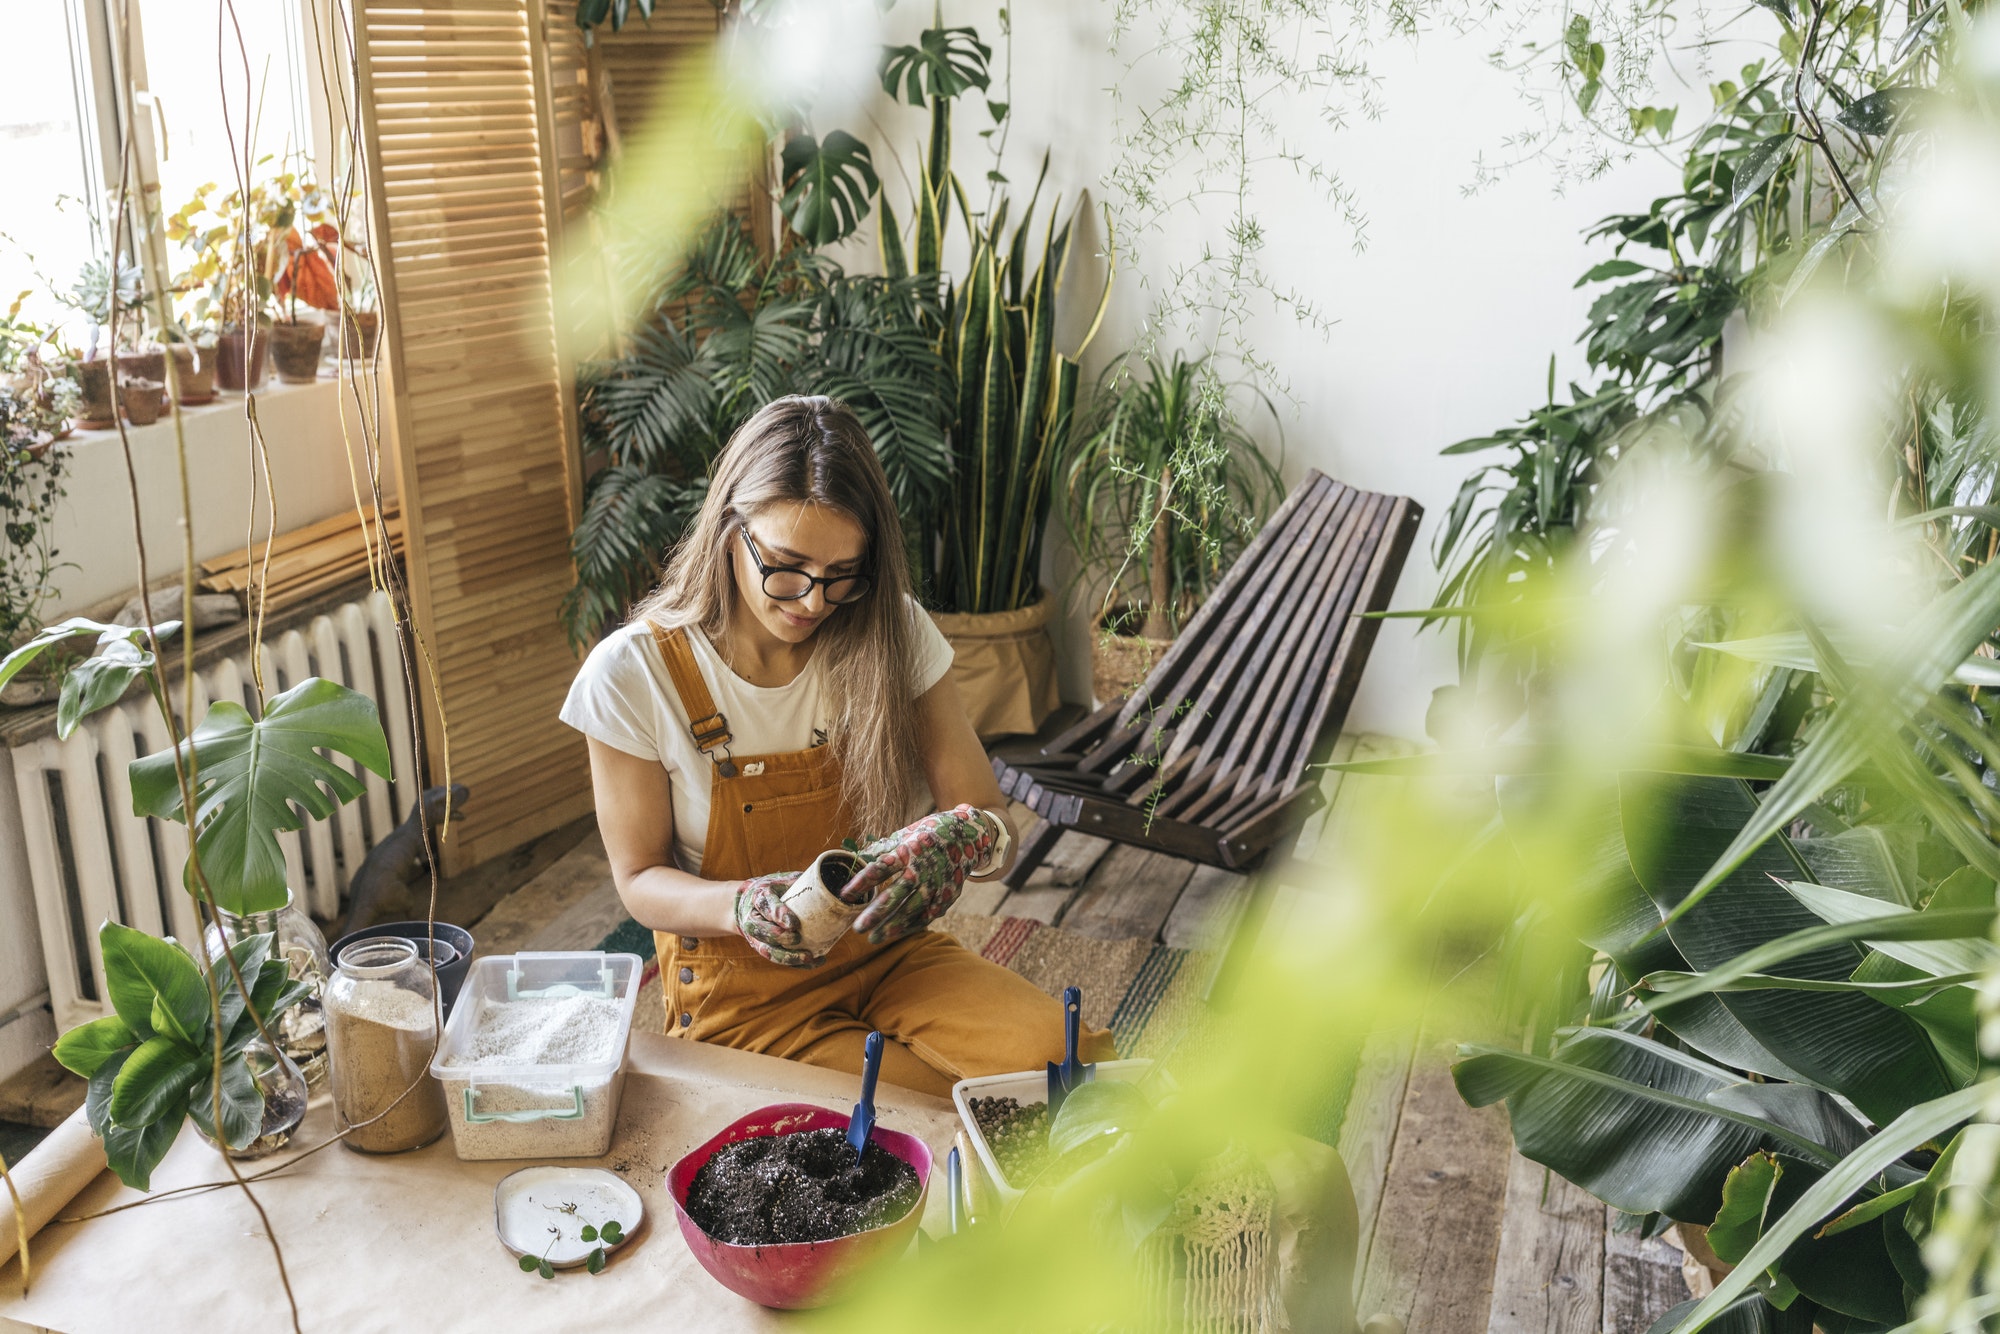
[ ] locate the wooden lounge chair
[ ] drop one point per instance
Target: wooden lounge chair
(1212, 757)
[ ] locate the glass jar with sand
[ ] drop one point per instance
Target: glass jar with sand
(381, 1028)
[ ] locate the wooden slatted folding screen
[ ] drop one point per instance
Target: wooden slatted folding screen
(456, 118)
(643, 64)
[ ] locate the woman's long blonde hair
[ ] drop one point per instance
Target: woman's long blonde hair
(814, 451)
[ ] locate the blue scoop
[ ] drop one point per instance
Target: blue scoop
(862, 1123)
(1072, 1074)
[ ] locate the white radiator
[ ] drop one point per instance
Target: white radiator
(90, 858)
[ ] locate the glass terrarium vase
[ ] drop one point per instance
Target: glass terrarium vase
(300, 1030)
(284, 1092)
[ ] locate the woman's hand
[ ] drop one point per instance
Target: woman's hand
(915, 874)
(771, 928)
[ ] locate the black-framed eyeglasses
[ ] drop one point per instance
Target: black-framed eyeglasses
(787, 584)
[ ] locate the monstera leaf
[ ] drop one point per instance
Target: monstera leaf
(829, 184)
(254, 777)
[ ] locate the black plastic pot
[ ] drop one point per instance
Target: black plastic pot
(451, 975)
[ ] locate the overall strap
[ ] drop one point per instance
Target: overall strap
(709, 728)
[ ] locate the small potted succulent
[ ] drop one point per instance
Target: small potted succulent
(101, 291)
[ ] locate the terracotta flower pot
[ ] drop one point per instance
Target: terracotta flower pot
(142, 400)
(195, 369)
(231, 371)
(358, 334)
(98, 412)
(146, 363)
(295, 346)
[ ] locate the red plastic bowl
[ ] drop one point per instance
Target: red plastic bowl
(802, 1273)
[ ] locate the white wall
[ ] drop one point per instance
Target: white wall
(303, 438)
(1445, 321)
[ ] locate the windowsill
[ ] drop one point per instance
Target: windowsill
(202, 416)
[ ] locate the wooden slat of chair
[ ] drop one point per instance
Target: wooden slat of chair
(1310, 646)
(1233, 680)
(1314, 734)
(1270, 669)
(1221, 618)
(1207, 760)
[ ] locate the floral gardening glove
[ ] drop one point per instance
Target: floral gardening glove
(914, 875)
(771, 928)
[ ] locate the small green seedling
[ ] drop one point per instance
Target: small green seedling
(851, 845)
(531, 1263)
(610, 1234)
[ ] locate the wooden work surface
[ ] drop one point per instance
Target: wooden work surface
(407, 1241)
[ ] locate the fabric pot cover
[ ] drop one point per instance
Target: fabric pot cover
(1118, 663)
(1005, 666)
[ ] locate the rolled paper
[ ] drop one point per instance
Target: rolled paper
(823, 917)
(52, 1174)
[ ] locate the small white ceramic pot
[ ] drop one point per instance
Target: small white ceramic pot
(815, 901)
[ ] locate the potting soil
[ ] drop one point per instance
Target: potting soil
(778, 1189)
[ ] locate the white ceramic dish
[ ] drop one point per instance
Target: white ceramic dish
(1029, 1086)
(542, 1211)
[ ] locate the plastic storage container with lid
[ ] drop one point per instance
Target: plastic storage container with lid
(533, 1057)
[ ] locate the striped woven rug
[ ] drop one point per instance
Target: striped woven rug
(1146, 994)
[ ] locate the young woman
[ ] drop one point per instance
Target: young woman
(781, 692)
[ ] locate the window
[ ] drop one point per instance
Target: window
(54, 205)
(262, 78)
(47, 142)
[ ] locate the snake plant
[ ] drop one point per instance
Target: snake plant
(1016, 390)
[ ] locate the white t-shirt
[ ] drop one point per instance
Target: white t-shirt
(623, 697)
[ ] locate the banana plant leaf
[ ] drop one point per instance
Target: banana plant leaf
(1623, 923)
(1641, 1126)
(1748, 1314)
(254, 777)
(1914, 1128)
(1675, 829)
(1868, 722)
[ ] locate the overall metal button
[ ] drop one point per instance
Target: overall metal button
(686, 1019)
(687, 974)
(746, 808)
(689, 942)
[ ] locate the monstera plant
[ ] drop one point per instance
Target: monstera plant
(179, 1043)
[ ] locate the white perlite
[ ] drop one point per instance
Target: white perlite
(553, 1031)
(578, 1115)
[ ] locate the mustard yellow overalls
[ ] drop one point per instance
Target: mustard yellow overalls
(946, 1013)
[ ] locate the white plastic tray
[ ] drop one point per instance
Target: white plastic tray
(1029, 1086)
(522, 1110)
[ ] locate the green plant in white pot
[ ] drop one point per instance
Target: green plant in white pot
(189, 1036)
